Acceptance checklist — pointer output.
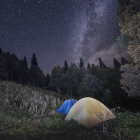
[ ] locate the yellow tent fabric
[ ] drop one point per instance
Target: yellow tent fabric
(89, 112)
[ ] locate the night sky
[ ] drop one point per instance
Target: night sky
(59, 30)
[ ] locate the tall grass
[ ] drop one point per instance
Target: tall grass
(29, 99)
(16, 100)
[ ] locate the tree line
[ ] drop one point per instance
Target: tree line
(100, 82)
(15, 70)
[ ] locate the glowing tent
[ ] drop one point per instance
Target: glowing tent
(66, 106)
(89, 112)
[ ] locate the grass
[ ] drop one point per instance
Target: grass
(24, 115)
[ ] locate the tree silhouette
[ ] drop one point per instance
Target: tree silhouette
(47, 80)
(117, 65)
(8, 53)
(102, 65)
(25, 61)
(88, 65)
(36, 76)
(65, 67)
(81, 63)
(124, 61)
(34, 60)
(0, 50)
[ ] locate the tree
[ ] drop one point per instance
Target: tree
(111, 80)
(25, 61)
(81, 63)
(123, 40)
(36, 76)
(64, 84)
(129, 16)
(3, 67)
(91, 86)
(47, 79)
(34, 60)
(117, 65)
(56, 74)
(131, 80)
(65, 67)
(0, 50)
(21, 72)
(92, 69)
(8, 53)
(88, 66)
(124, 61)
(12, 62)
(101, 63)
(75, 75)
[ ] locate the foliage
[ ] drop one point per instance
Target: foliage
(64, 84)
(91, 86)
(18, 125)
(21, 73)
(32, 100)
(102, 65)
(65, 68)
(25, 61)
(22, 124)
(123, 40)
(47, 80)
(107, 99)
(81, 63)
(36, 76)
(55, 79)
(34, 60)
(124, 61)
(88, 66)
(131, 79)
(129, 16)
(128, 124)
(75, 76)
(117, 65)
(3, 70)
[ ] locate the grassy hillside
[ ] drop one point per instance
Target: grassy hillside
(24, 114)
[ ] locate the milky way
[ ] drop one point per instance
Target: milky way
(99, 33)
(59, 30)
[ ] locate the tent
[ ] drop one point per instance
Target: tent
(66, 106)
(89, 112)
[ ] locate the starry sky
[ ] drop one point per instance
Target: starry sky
(59, 30)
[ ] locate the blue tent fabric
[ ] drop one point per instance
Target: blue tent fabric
(66, 106)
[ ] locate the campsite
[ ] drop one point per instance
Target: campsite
(69, 69)
(34, 116)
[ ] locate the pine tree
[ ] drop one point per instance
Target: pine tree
(25, 61)
(54, 83)
(65, 66)
(34, 60)
(36, 76)
(117, 65)
(0, 50)
(124, 61)
(81, 63)
(8, 53)
(101, 63)
(47, 78)
(88, 65)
